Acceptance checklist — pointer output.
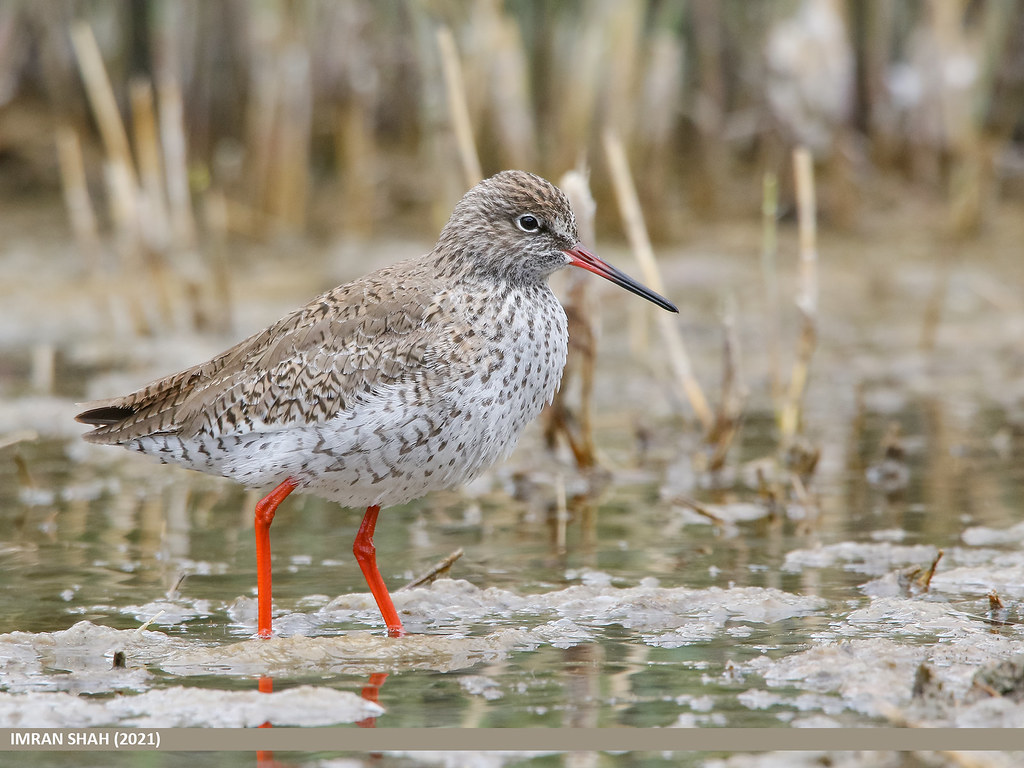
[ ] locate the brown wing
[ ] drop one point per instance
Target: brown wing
(309, 366)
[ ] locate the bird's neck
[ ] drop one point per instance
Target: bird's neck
(486, 272)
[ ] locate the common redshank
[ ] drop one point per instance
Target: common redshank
(413, 378)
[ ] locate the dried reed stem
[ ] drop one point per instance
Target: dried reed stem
(807, 293)
(100, 93)
(21, 436)
(355, 150)
(455, 87)
(76, 197)
(728, 414)
(561, 515)
(560, 418)
(153, 221)
(294, 117)
(215, 211)
(172, 141)
(636, 231)
(936, 299)
(770, 274)
(120, 173)
(151, 209)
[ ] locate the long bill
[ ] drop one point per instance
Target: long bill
(584, 259)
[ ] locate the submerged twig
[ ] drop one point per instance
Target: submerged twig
(438, 570)
(700, 509)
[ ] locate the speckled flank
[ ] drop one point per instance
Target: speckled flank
(413, 378)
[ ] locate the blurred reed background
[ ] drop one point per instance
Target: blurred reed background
(175, 128)
(293, 116)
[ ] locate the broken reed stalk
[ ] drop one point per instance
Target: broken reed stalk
(561, 514)
(517, 126)
(82, 215)
(153, 224)
(770, 274)
(455, 87)
(152, 209)
(100, 93)
(807, 295)
(936, 301)
(215, 209)
(559, 417)
(120, 174)
(172, 142)
(76, 197)
(21, 436)
(119, 171)
(636, 231)
(289, 189)
(728, 414)
(356, 161)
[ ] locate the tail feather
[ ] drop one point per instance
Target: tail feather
(148, 411)
(105, 416)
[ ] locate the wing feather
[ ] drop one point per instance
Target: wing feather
(311, 365)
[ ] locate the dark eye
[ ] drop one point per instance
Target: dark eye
(528, 223)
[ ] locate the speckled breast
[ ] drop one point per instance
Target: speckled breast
(461, 428)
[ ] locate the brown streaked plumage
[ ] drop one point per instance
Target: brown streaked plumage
(413, 378)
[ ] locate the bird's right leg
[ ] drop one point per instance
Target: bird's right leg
(366, 556)
(265, 510)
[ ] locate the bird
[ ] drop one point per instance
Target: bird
(414, 378)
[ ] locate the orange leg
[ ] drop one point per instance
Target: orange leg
(366, 556)
(264, 517)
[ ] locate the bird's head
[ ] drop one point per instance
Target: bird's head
(520, 228)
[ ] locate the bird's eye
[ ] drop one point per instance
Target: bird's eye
(528, 223)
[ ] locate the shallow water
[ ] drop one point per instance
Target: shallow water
(629, 610)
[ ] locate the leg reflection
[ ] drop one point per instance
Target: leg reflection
(370, 693)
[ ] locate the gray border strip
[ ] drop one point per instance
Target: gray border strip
(512, 739)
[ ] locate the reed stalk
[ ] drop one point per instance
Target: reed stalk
(636, 232)
(458, 109)
(770, 275)
(81, 213)
(560, 418)
(807, 295)
(175, 161)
